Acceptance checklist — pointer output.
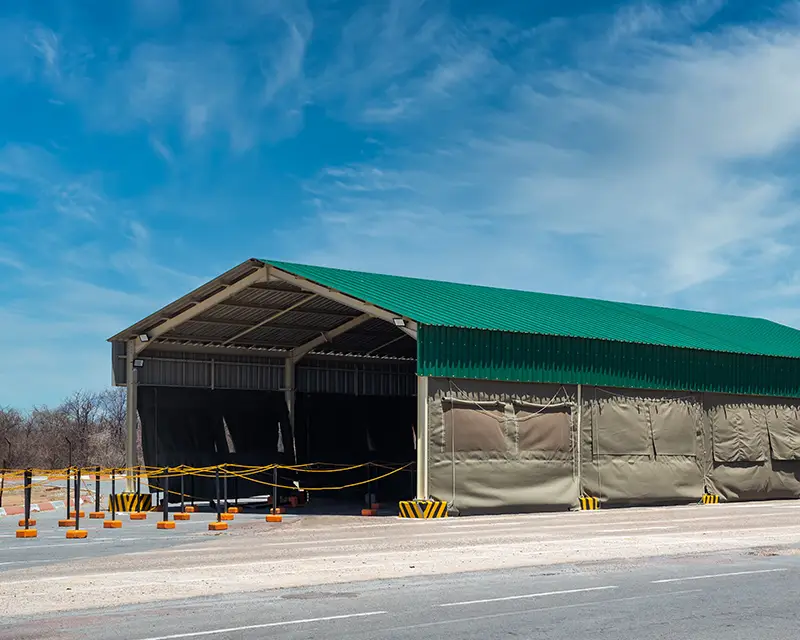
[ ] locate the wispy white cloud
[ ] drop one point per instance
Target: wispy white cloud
(162, 149)
(649, 18)
(35, 173)
(213, 79)
(8, 259)
(645, 156)
(396, 60)
(82, 266)
(649, 169)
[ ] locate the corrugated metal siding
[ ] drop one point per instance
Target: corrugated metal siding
(464, 353)
(432, 302)
(174, 372)
(362, 378)
(248, 376)
(314, 375)
(119, 374)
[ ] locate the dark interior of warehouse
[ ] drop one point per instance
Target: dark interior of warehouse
(199, 428)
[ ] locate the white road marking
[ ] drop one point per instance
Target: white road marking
(525, 596)
(33, 545)
(266, 625)
(320, 543)
(634, 530)
(717, 575)
(508, 614)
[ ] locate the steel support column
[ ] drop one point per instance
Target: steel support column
(289, 392)
(422, 437)
(578, 437)
(130, 414)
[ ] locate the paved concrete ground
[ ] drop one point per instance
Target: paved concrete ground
(293, 579)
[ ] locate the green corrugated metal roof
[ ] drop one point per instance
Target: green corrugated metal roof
(447, 304)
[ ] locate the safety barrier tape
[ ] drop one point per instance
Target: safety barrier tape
(88, 474)
(346, 486)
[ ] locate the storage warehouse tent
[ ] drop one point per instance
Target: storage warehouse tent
(506, 400)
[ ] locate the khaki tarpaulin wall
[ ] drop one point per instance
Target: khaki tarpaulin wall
(641, 447)
(511, 446)
(497, 446)
(755, 447)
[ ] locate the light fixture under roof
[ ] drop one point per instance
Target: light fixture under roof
(138, 363)
(144, 337)
(399, 322)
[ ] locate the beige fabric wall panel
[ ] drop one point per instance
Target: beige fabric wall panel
(475, 427)
(501, 446)
(643, 480)
(543, 429)
(784, 479)
(511, 446)
(783, 424)
(736, 481)
(515, 485)
(756, 447)
(623, 428)
(676, 427)
(738, 429)
(641, 447)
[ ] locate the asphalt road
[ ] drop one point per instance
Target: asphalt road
(728, 596)
(720, 571)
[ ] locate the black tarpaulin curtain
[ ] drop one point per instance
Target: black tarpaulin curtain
(185, 427)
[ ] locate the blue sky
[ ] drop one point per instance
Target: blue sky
(635, 151)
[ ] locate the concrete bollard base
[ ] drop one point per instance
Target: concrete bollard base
(76, 534)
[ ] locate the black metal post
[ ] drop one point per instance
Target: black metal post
(28, 480)
(113, 498)
(97, 491)
(183, 495)
(216, 484)
(2, 482)
(6, 461)
(165, 503)
(77, 498)
(236, 490)
(192, 486)
(69, 494)
(275, 489)
(225, 490)
(369, 485)
(69, 471)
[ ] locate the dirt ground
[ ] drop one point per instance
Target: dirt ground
(14, 496)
